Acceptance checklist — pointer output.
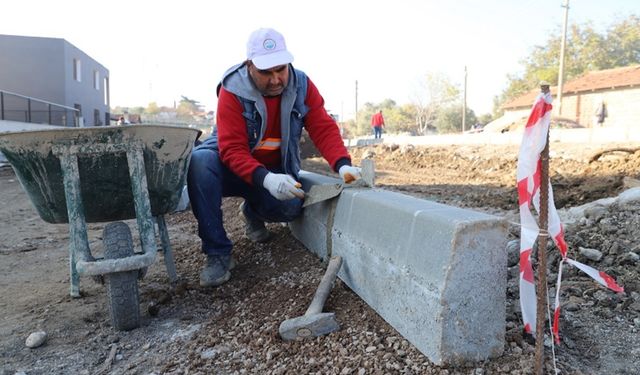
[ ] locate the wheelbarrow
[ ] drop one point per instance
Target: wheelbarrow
(106, 174)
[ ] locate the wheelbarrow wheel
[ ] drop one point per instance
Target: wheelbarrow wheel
(122, 287)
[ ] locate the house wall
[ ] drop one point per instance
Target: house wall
(622, 107)
(42, 68)
(83, 92)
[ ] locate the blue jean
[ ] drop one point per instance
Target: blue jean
(377, 131)
(208, 180)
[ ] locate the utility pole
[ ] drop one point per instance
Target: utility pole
(356, 102)
(464, 100)
(562, 47)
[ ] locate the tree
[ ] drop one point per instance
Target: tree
(402, 119)
(449, 118)
(119, 110)
(397, 119)
(136, 110)
(187, 108)
(623, 42)
(152, 109)
(485, 119)
(433, 93)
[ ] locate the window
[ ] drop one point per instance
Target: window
(106, 91)
(79, 120)
(77, 70)
(96, 117)
(96, 80)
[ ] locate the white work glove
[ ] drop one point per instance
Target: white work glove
(282, 186)
(349, 173)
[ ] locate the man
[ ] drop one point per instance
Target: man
(545, 92)
(263, 103)
(600, 114)
(377, 122)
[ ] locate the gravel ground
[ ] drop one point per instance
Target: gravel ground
(233, 329)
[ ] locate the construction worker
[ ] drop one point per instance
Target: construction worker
(377, 123)
(263, 103)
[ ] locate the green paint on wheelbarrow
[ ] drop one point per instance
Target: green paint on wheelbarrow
(104, 177)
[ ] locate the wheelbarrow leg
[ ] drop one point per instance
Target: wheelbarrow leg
(141, 200)
(74, 288)
(78, 241)
(166, 247)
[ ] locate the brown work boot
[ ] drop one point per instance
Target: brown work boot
(255, 230)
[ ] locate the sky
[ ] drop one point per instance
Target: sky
(158, 51)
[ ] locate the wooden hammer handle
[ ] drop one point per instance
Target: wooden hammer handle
(325, 286)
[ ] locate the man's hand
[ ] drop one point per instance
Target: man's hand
(349, 173)
(282, 186)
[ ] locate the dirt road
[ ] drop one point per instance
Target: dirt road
(233, 329)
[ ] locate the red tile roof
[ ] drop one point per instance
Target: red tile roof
(610, 79)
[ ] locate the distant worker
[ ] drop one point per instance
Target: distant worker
(600, 114)
(254, 152)
(120, 121)
(377, 122)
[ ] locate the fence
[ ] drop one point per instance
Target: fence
(16, 107)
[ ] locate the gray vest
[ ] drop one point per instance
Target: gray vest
(292, 112)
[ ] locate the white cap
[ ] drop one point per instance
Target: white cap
(266, 48)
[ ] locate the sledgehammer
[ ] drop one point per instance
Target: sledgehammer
(314, 322)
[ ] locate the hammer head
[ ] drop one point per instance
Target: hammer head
(311, 325)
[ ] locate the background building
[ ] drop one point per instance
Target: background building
(55, 74)
(583, 99)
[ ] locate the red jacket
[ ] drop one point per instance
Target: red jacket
(377, 120)
(233, 141)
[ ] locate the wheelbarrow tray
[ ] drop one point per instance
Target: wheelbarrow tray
(106, 190)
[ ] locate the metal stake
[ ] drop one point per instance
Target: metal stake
(542, 258)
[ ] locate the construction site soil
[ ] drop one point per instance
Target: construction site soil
(233, 329)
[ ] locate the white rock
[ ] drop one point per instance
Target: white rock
(629, 196)
(208, 353)
(591, 254)
(407, 148)
(36, 339)
(575, 213)
(513, 253)
(630, 257)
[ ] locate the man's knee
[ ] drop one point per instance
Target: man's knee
(283, 211)
(292, 209)
(204, 167)
(201, 158)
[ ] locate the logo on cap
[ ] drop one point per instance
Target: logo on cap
(269, 44)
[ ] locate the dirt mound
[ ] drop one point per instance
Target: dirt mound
(484, 176)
